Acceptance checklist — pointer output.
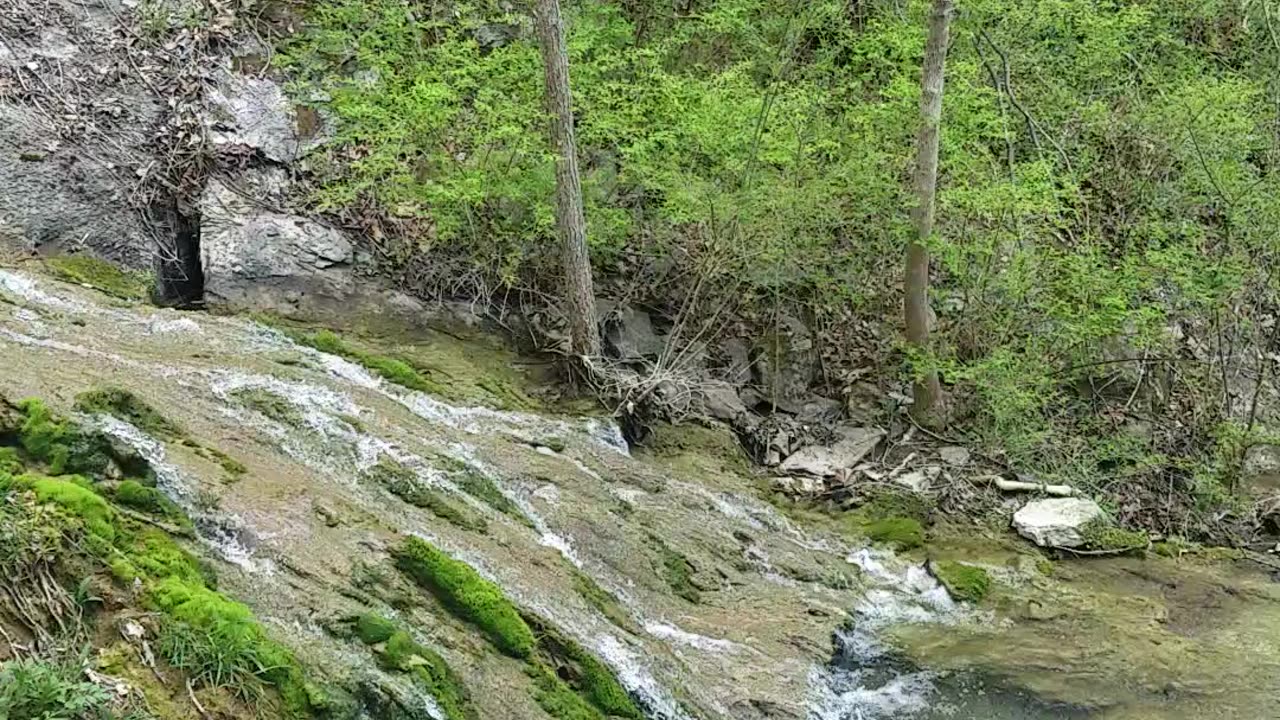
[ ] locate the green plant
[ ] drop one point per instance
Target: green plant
(134, 494)
(42, 690)
(463, 591)
(71, 494)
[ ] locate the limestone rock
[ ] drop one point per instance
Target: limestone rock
(629, 333)
(256, 257)
(786, 363)
(1056, 522)
(720, 401)
(851, 446)
(254, 112)
(954, 455)
(799, 485)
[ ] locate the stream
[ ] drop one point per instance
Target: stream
(787, 621)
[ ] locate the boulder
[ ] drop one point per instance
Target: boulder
(255, 257)
(628, 332)
(852, 444)
(799, 485)
(1056, 522)
(720, 401)
(737, 359)
(253, 112)
(786, 363)
(954, 455)
(71, 137)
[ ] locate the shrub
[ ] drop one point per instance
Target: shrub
(464, 592)
(41, 690)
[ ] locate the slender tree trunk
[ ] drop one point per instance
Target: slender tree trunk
(927, 407)
(571, 222)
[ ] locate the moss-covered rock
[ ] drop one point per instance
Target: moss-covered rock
(1102, 535)
(405, 484)
(676, 570)
(101, 275)
(464, 592)
(963, 582)
(900, 533)
(127, 406)
(268, 404)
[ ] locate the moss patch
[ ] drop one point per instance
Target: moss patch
(602, 600)
(1102, 535)
(101, 275)
(390, 368)
(129, 407)
(268, 404)
(483, 488)
(900, 533)
(405, 484)
(711, 443)
(398, 651)
(467, 594)
(963, 582)
(676, 570)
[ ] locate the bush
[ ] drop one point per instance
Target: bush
(467, 594)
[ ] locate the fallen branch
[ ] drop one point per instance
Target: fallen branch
(1008, 485)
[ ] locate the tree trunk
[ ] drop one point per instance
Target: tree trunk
(927, 406)
(571, 222)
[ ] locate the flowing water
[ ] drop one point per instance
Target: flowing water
(790, 622)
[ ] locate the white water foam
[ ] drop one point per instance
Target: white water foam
(700, 642)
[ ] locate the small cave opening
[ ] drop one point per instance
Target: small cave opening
(179, 274)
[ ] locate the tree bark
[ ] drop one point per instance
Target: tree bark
(927, 407)
(571, 223)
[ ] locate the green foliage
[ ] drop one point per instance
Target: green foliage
(898, 532)
(467, 594)
(101, 275)
(40, 690)
(10, 461)
(964, 582)
(269, 404)
(219, 643)
(1110, 171)
(127, 406)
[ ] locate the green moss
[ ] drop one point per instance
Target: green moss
(582, 673)
(391, 369)
(232, 467)
(677, 571)
(101, 275)
(154, 555)
(372, 628)
(552, 443)
(405, 484)
(269, 404)
(901, 533)
(1102, 535)
(219, 643)
(464, 592)
(134, 494)
(127, 406)
(485, 489)
(717, 442)
(62, 446)
(602, 600)
(963, 582)
(405, 654)
(70, 494)
(559, 700)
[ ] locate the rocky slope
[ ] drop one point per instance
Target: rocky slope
(305, 461)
